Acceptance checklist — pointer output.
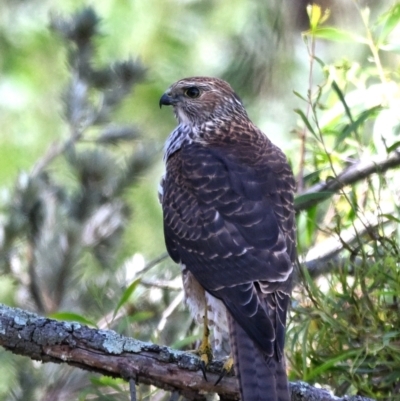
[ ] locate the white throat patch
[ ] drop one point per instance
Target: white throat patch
(182, 117)
(174, 142)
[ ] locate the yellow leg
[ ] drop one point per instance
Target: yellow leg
(205, 350)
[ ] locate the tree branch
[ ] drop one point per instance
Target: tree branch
(107, 353)
(350, 175)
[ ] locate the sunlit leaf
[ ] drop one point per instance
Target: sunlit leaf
(388, 22)
(116, 384)
(336, 35)
(316, 16)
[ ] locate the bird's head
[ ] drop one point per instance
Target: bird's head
(198, 100)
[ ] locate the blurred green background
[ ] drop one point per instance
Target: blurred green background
(255, 45)
(259, 48)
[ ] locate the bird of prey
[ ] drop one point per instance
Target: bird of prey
(227, 200)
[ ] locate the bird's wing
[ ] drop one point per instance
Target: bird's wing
(228, 216)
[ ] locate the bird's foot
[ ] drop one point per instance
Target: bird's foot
(205, 349)
(227, 368)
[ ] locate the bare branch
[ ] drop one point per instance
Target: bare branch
(107, 353)
(302, 391)
(350, 175)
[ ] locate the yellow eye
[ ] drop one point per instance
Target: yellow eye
(192, 92)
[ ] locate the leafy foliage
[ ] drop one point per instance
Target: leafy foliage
(344, 329)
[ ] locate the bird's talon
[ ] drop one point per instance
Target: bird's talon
(228, 366)
(203, 370)
(205, 350)
(206, 356)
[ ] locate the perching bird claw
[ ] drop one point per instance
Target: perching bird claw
(205, 349)
(203, 370)
(227, 368)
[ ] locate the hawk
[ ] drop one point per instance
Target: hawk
(227, 200)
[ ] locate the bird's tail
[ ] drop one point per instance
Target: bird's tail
(261, 378)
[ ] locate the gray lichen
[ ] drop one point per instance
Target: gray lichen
(113, 343)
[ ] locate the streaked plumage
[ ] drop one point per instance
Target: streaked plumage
(227, 199)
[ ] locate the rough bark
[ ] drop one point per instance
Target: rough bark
(108, 353)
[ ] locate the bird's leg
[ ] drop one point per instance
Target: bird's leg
(205, 350)
(227, 368)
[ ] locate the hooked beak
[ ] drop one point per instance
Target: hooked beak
(166, 100)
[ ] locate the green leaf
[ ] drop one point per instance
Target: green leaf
(313, 177)
(72, 317)
(336, 35)
(341, 97)
(300, 96)
(116, 384)
(319, 61)
(388, 23)
(301, 199)
(330, 363)
(392, 147)
(126, 295)
(140, 316)
(306, 122)
(354, 125)
(391, 218)
(311, 222)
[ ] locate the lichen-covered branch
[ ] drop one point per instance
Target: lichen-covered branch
(304, 392)
(108, 353)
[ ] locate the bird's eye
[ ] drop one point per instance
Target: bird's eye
(192, 92)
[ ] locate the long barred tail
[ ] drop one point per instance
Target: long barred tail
(260, 378)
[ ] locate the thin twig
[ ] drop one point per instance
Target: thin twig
(132, 389)
(154, 263)
(167, 312)
(303, 134)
